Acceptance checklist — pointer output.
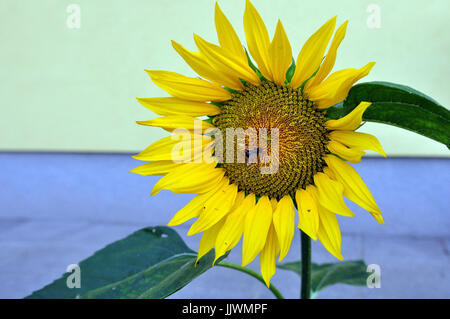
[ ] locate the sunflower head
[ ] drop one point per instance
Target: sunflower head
(268, 154)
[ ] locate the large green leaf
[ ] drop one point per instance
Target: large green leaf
(324, 275)
(400, 106)
(153, 262)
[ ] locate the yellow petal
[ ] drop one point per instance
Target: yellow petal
(232, 230)
(228, 38)
(257, 223)
(284, 223)
(240, 196)
(188, 88)
(351, 121)
(194, 207)
(330, 195)
(280, 55)
(274, 203)
(173, 122)
(350, 154)
(335, 88)
(258, 40)
(190, 178)
(176, 148)
(310, 56)
(155, 168)
(329, 233)
(330, 58)
(329, 172)
(225, 62)
(358, 140)
(214, 209)
(354, 187)
(269, 256)
(176, 106)
(199, 64)
(308, 213)
(378, 217)
(209, 239)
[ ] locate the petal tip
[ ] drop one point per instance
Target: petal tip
(156, 189)
(245, 262)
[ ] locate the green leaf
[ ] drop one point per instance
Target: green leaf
(324, 275)
(253, 66)
(400, 106)
(218, 104)
(208, 120)
(153, 262)
(290, 72)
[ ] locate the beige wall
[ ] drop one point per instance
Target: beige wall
(74, 89)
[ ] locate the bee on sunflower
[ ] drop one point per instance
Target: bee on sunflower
(235, 198)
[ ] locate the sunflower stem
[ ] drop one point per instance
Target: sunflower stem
(252, 273)
(305, 290)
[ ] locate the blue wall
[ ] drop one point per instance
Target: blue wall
(56, 209)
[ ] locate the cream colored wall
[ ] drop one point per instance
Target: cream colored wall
(74, 89)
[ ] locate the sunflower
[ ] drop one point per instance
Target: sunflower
(235, 198)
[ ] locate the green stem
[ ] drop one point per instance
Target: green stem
(305, 292)
(252, 273)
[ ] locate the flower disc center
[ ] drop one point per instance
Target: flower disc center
(294, 154)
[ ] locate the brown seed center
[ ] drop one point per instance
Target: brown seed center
(302, 139)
